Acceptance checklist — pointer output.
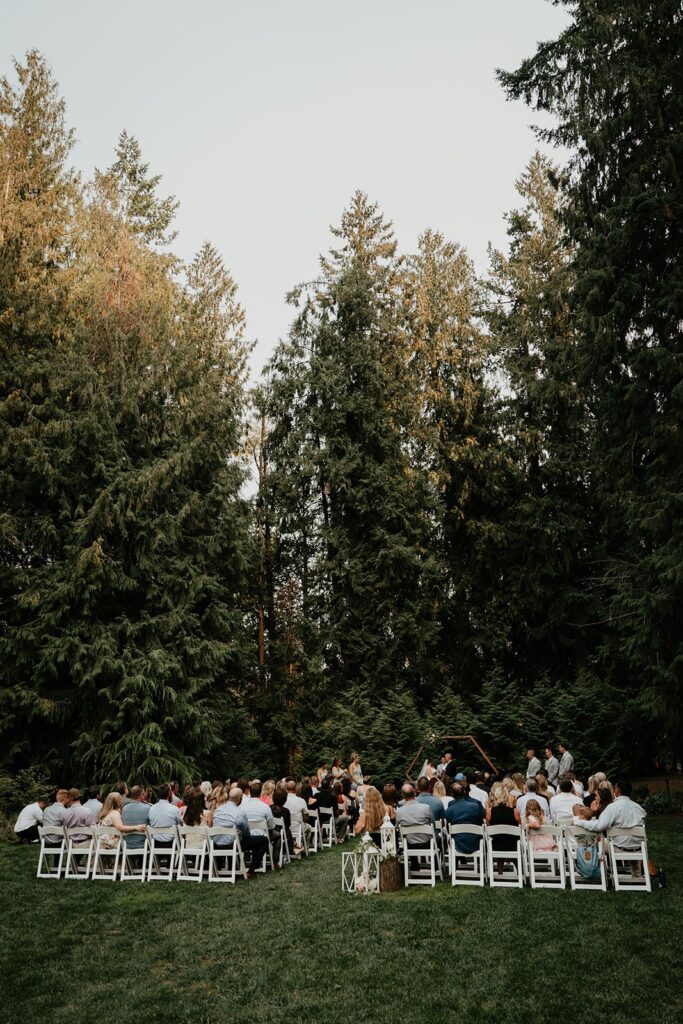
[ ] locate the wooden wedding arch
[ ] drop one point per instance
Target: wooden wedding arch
(433, 740)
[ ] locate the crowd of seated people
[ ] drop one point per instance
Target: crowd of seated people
(547, 793)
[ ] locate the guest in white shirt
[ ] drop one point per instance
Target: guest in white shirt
(255, 810)
(622, 812)
(476, 790)
(26, 825)
(562, 804)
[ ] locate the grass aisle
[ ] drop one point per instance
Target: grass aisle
(291, 947)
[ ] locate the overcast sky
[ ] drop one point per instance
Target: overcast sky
(264, 116)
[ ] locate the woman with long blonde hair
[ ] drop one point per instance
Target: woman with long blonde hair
(371, 817)
(110, 817)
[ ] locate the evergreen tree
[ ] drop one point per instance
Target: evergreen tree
(613, 81)
(549, 519)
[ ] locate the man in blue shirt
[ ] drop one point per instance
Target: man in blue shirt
(463, 811)
(135, 812)
(425, 797)
(231, 815)
(164, 813)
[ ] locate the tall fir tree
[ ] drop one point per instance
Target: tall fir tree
(613, 81)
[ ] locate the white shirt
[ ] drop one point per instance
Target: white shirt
(479, 794)
(621, 813)
(297, 807)
(32, 814)
(562, 804)
(524, 800)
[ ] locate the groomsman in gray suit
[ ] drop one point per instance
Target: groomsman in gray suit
(566, 760)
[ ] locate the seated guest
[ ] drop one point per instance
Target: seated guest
(544, 788)
(26, 825)
(390, 798)
(298, 805)
(267, 791)
(371, 817)
(498, 812)
(229, 814)
(534, 818)
(110, 817)
(441, 793)
(477, 791)
(531, 794)
(622, 812)
(206, 788)
(562, 804)
(94, 803)
(256, 811)
(327, 800)
(463, 811)
(77, 814)
(593, 783)
(425, 797)
(175, 790)
(414, 812)
(122, 789)
(604, 796)
(350, 801)
(195, 816)
(518, 784)
(55, 814)
(135, 813)
(164, 813)
(280, 810)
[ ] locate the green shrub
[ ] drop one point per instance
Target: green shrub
(660, 803)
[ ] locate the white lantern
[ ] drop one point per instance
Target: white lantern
(388, 837)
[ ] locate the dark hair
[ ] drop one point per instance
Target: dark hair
(458, 791)
(243, 784)
(194, 809)
(306, 791)
(256, 788)
(136, 792)
(280, 796)
(566, 785)
(93, 792)
(390, 794)
(423, 784)
(337, 788)
(337, 762)
(164, 791)
(346, 785)
(44, 799)
(624, 786)
(605, 797)
(121, 788)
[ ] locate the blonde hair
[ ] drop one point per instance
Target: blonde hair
(439, 789)
(542, 784)
(373, 809)
(268, 788)
(499, 794)
(113, 802)
(534, 809)
(518, 780)
(220, 795)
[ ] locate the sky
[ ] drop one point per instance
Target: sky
(264, 117)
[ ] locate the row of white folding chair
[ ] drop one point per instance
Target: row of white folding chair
(615, 863)
(425, 852)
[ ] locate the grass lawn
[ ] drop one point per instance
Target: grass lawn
(291, 947)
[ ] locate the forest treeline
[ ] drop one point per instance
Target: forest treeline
(450, 504)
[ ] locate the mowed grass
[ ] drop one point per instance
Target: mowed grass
(292, 947)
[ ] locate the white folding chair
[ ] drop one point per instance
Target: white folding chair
(231, 856)
(467, 868)
(546, 867)
(499, 860)
(260, 827)
(629, 865)
(300, 836)
(193, 845)
(576, 840)
(314, 840)
(161, 857)
(327, 827)
(80, 842)
(52, 851)
(426, 857)
(107, 853)
(134, 858)
(284, 856)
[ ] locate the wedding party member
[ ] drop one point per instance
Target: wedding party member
(534, 765)
(30, 817)
(355, 770)
(552, 767)
(566, 760)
